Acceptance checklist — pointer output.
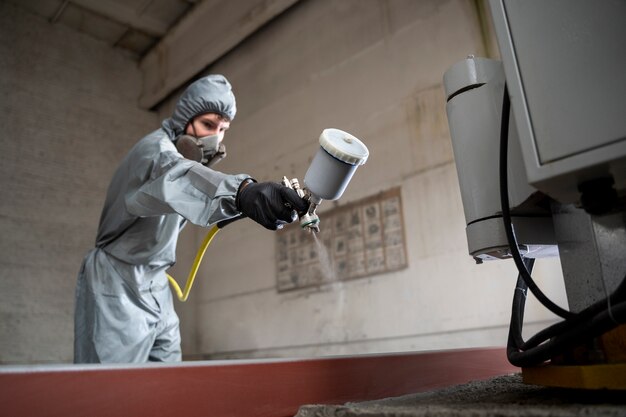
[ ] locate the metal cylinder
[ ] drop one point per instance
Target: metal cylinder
(334, 164)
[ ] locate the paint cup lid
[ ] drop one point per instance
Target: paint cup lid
(344, 146)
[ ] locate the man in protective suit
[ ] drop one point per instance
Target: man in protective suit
(124, 308)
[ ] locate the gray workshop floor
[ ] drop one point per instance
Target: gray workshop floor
(502, 397)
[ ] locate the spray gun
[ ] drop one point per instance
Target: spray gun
(334, 164)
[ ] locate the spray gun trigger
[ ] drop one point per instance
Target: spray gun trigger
(309, 220)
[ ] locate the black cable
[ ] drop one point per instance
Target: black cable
(576, 336)
(618, 296)
(506, 215)
(519, 303)
(593, 321)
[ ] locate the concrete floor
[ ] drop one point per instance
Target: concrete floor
(501, 396)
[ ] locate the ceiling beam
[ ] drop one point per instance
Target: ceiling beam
(209, 31)
(125, 15)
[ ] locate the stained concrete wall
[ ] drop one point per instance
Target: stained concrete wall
(68, 114)
(373, 68)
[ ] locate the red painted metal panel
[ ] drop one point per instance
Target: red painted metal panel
(272, 388)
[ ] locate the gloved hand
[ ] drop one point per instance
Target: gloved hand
(270, 204)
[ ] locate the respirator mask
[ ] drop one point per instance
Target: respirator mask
(208, 150)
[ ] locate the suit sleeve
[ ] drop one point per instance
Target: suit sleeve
(177, 185)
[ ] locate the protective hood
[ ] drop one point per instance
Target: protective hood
(210, 94)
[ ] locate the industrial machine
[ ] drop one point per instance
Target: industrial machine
(539, 140)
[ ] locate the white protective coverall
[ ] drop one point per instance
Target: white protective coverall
(124, 308)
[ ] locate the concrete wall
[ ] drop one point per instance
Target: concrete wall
(68, 114)
(373, 68)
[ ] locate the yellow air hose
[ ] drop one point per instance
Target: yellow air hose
(182, 295)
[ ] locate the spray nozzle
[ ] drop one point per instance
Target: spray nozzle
(309, 221)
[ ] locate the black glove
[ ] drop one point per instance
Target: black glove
(270, 204)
